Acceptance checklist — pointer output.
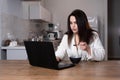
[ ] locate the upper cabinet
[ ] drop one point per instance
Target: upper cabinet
(33, 10)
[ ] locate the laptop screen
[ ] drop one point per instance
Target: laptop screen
(41, 54)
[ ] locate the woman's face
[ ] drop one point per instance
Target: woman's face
(73, 24)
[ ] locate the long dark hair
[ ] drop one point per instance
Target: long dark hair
(84, 30)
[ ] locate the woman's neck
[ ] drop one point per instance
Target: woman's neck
(77, 39)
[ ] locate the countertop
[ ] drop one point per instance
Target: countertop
(22, 70)
(13, 47)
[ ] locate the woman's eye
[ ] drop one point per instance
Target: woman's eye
(73, 22)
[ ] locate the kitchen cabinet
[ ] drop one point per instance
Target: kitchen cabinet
(33, 10)
(15, 53)
(25, 9)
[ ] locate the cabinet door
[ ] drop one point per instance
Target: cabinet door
(16, 54)
(35, 11)
(25, 9)
(45, 14)
(26, 5)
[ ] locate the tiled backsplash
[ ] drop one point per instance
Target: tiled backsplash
(18, 27)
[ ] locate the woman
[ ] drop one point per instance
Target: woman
(80, 41)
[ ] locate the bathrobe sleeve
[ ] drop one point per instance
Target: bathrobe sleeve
(61, 49)
(97, 50)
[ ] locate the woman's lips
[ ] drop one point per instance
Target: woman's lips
(74, 29)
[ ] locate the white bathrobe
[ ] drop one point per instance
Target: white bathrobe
(97, 50)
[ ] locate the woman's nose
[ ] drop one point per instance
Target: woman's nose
(73, 24)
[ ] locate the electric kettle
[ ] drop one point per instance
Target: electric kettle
(51, 36)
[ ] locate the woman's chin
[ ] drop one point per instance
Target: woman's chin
(75, 32)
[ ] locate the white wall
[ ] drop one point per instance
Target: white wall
(0, 29)
(62, 8)
(12, 7)
(11, 20)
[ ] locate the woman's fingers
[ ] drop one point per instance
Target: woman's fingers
(58, 59)
(83, 45)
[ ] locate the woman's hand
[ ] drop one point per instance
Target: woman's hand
(85, 46)
(58, 59)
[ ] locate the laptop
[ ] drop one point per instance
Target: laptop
(42, 54)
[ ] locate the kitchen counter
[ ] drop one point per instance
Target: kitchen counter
(10, 47)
